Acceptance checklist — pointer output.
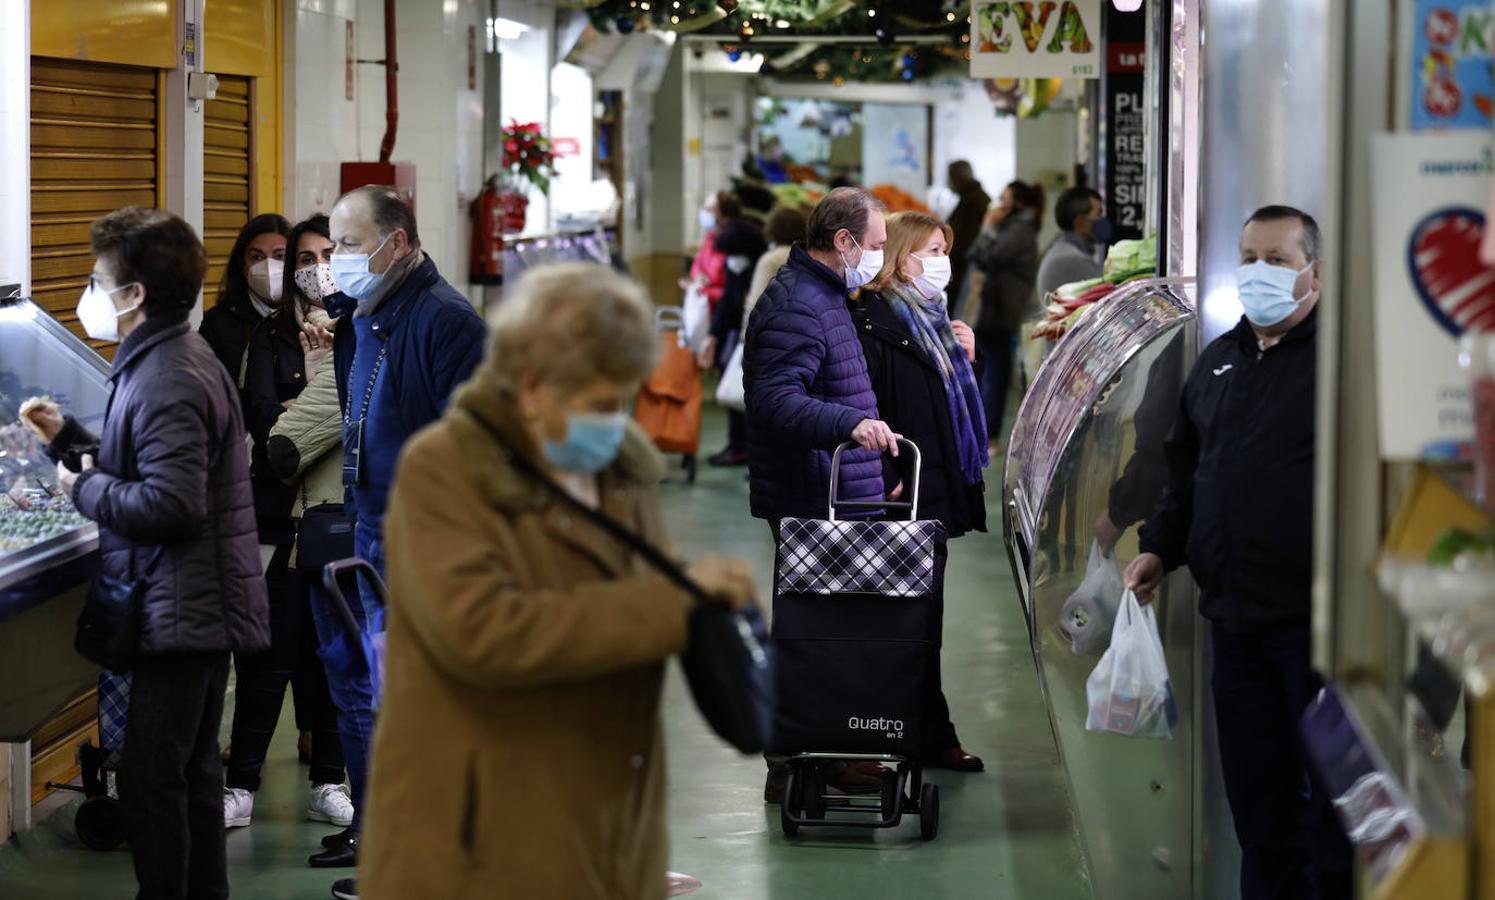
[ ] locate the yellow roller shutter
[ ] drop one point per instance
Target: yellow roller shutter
(228, 157)
(93, 150)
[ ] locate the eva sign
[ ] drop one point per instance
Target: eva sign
(1035, 38)
(1430, 285)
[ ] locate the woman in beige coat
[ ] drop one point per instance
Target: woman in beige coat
(519, 750)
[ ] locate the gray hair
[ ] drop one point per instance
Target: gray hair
(1311, 239)
(844, 207)
(390, 210)
(572, 324)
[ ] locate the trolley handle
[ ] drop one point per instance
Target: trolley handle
(332, 578)
(669, 318)
(912, 504)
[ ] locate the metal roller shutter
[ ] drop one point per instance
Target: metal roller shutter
(228, 154)
(93, 149)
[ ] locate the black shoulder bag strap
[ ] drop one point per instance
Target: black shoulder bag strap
(663, 564)
(728, 660)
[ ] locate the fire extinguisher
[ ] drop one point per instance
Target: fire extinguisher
(487, 252)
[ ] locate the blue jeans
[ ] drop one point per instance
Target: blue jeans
(1000, 352)
(1292, 845)
(353, 695)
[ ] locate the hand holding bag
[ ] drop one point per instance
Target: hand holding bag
(108, 633)
(730, 392)
(727, 660)
(1129, 691)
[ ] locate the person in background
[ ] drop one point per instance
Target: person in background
(406, 339)
(965, 224)
(771, 161)
(1238, 511)
(1084, 231)
(168, 484)
(786, 225)
(286, 351)
(250, 289)
(708, 270)
(528, 640)
(921, 365)
(1006, 251)
(742, 244)
(807, 388)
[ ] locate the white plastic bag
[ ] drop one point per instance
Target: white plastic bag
(730, 392)
(1088, 614)
(695, 320)
(1129, 691)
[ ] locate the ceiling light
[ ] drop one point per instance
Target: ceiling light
(1127, 5)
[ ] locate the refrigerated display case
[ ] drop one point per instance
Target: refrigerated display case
(1086, 453)
(47, 550)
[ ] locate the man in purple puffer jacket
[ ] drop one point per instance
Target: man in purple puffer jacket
(808, 390)
(803, 371)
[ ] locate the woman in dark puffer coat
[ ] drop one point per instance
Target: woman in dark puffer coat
(168, 484)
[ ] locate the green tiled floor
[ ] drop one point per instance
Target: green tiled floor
(1006, 833)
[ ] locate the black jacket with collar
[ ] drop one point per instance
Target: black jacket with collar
(227, 328)
(1238, 509)
(911, 399)
(171, 475)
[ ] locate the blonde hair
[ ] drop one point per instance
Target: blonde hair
(907, 232)
(572, 324)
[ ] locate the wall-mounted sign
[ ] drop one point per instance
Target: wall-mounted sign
(1452, 85)
(1035, 39)
(1430, 285)
(1124, 89)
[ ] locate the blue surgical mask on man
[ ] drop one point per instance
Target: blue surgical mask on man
(351, 272)
(591, 444)
(1102, 230)
(1266, 292)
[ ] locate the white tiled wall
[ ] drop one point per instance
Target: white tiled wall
(15, 162)
(441, 119)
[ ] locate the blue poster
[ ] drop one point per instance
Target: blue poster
(1451, 64)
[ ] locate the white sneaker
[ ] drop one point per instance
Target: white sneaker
(330, 803)
(238, 807)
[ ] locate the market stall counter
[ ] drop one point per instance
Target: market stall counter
(1085, 464)
(48, 552)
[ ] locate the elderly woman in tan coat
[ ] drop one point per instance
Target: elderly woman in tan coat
(520, 753)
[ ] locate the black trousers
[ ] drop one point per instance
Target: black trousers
(262, 679)
(1292, 845)
(171, 777)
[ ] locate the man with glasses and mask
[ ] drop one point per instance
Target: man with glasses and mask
(1238, 510)
(406, 339)
(808, 390)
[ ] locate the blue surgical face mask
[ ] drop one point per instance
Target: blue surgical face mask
(351, 272)
(591, 444)
(1101, 230)
(1266, 292)
(706, 219)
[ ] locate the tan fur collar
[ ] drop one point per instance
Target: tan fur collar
(638, 463)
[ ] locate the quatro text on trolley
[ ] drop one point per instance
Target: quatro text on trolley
(893, 727)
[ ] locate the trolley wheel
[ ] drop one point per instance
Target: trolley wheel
(790, 828)
(690, 466)
(929, 812)
(890, 793)
(100, 823)
(813, 793)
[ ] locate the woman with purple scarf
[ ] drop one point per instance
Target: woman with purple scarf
(923, 368)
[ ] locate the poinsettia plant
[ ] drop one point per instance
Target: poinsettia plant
(527, 154)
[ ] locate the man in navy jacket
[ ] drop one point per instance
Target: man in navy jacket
(405, 340)
(1238, 510)
(803, 372)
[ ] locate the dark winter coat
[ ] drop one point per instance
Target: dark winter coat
(275, 372)
(965, 223)
(171, 473)
(227, 328)
(1008, 256)
(1238, 509)
(435, 342)
(736, 238)
(912, 400)
(807, 388)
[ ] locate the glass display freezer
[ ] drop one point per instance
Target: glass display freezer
(1086, 454)
(48, 552)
